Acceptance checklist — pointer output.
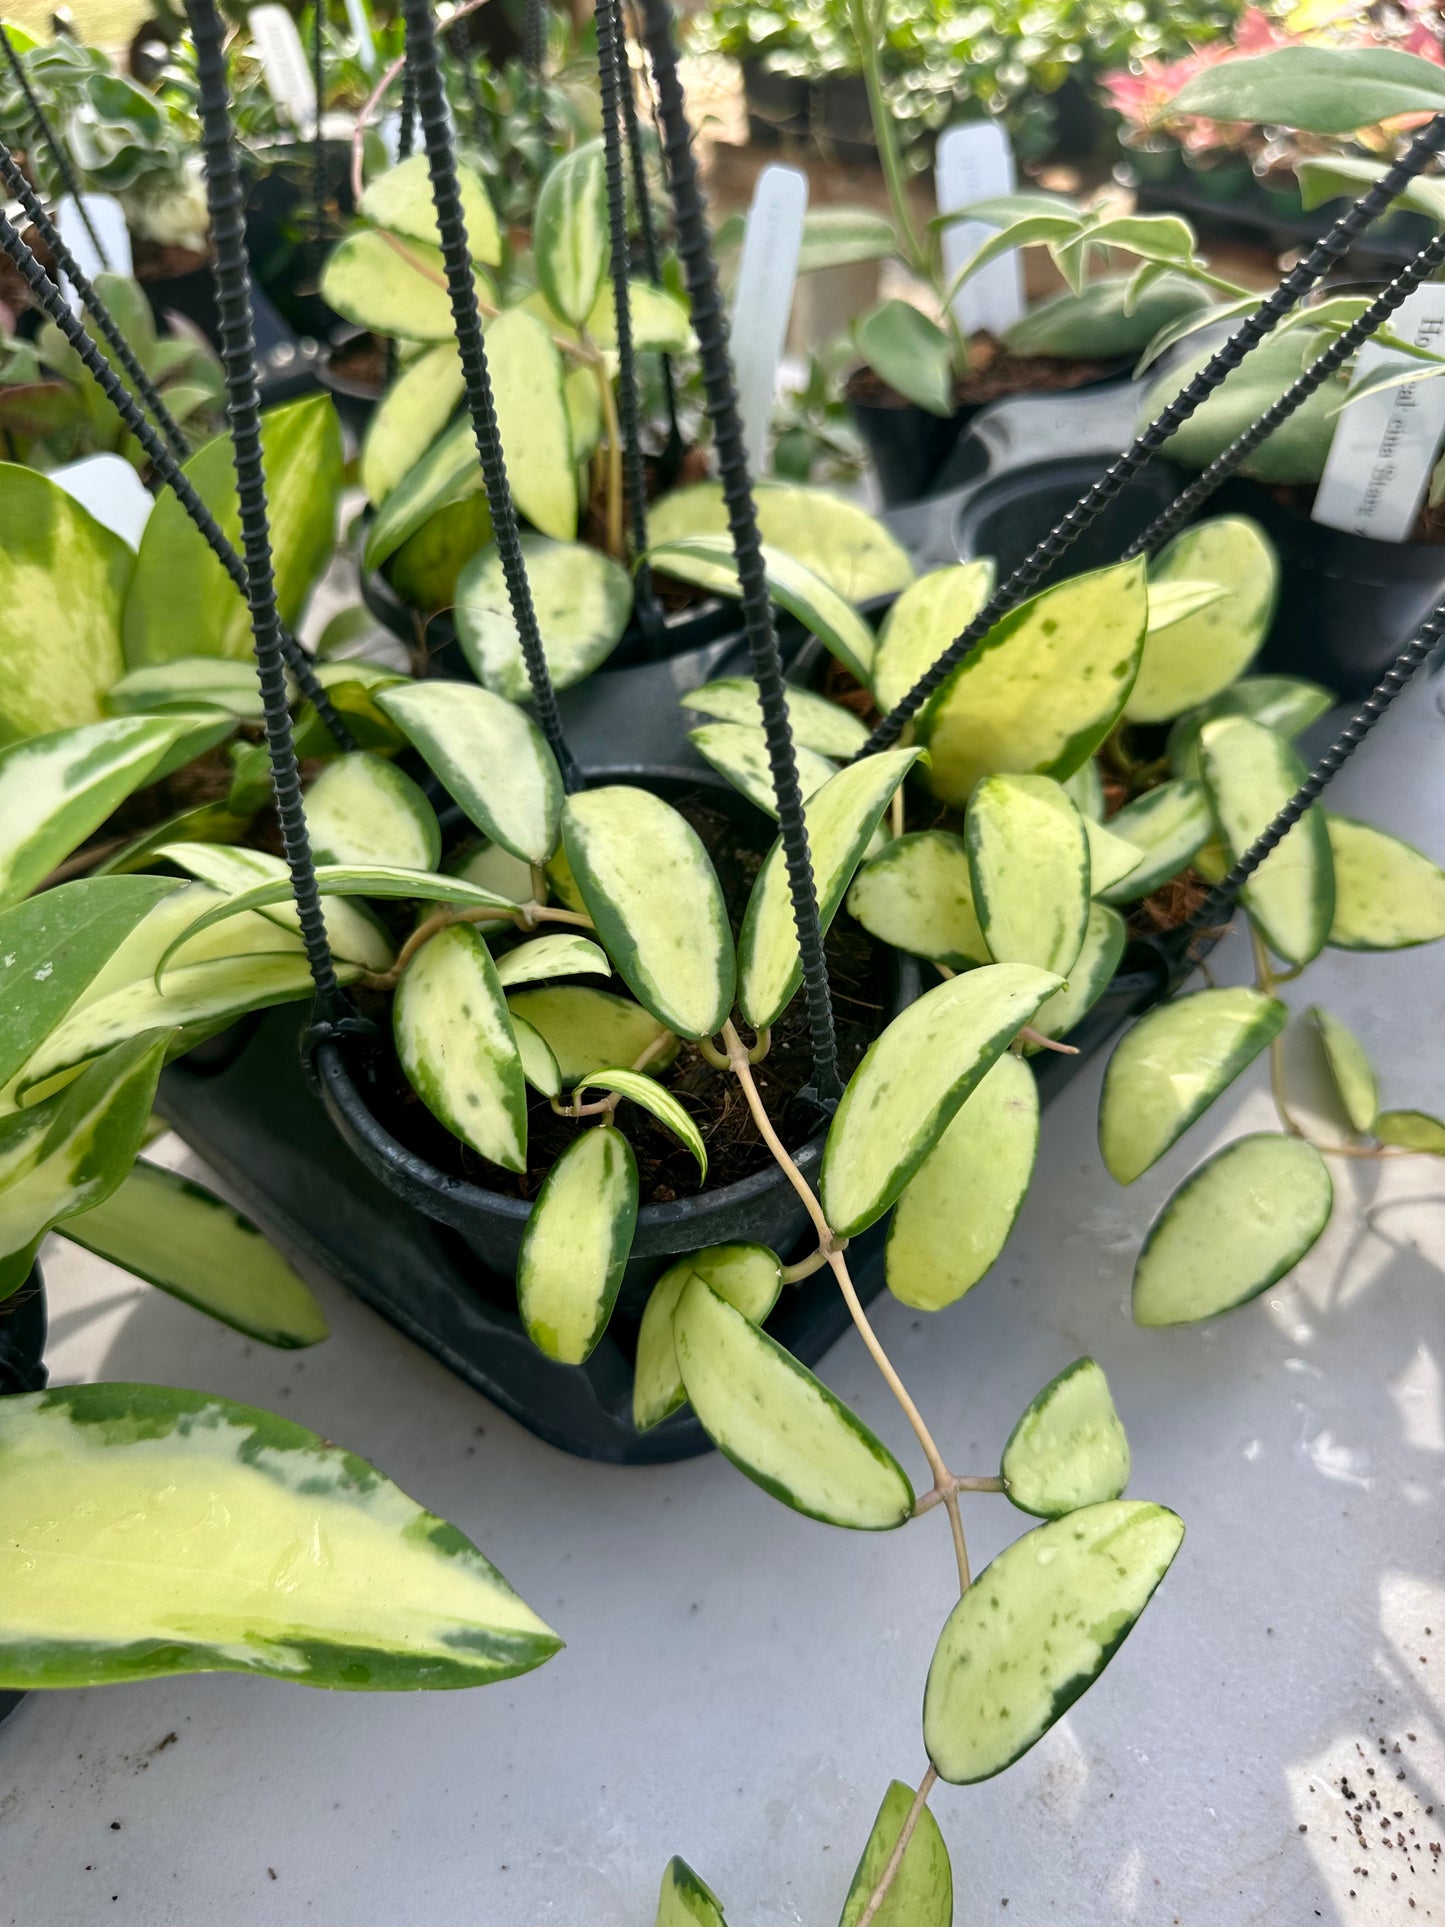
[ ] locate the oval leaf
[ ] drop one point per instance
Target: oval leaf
(917, 894)
(536, 431)
(454, 1039)
(1388, 895)
(923, 622)
(836, 539)
(587, 1029)
(393, 287)
(816, 723)
(539, 1066)
(1234, 1227)
(1028, 855)
(575, 1245)
(1192, 659)
(410, 416)
(583, 601)
(1090, 975)
(778, 1424)
(400, 200)
(570, 247)
(363, 809)
(561, 955)
(1250, 773)
(1168, 826)
(651, 1095)
(1069, 1449)
(1411, 1131)
(1350, 1070)
(1285, 704)
(748, 1276)
(909, 352)
(351, 930)
(740, 754)
(921, 1892)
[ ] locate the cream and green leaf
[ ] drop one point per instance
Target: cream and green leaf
(575, 1245)
(1068, 1449)
(454, 1039)
(748, 1276)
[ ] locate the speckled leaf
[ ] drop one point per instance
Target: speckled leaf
(1167, 1071)
(1068, 1449)
(1249, 774)
(834, 538)
(912, 1082)
(1168, 826)
(685, 1901)
(570, 248)
(562, 954)
(409, 418)
(182, 1238)
(587, 1029)
(526, 370)
(146, 1531)
(707, 561)
(1028, 856)
(740, 753)
(921, 1894)
(923, 622)
(1090, 975)
(352, 931)
(1350, 1070)
(1193, 658)
(454, 1039)
(492, 758)
(575, 1245)
(363, 809)
(400, 200)
(958, 1209)
(651, 890)
(779, 1424)
(583, 601)
(1282, 703)
(748, 1276)
(393, 287)
(1037, 1628)
(1388, 895)
(1234, 1227)
(1411, 1131)
(917, 895)
(816, 723)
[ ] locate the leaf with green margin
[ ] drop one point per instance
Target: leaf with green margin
(1089, 977)
(393, 287)
(641, 1089)
(562, 954)
(181, 602)
(1108, 318)
(909, 353)
(454, 1040)
(852, 550)
(409, 418)
(186, 1241)
(1388, 895)
(1234, 1227)
(1026, 229)
(955, 1215)
(71, 1151)
(443, 476)
(532, 418)
(1286, 704)
(146, 1531)
(400, 200)
(1294, 454)
(739, 752)
(582, 599)
(1068, 1449)
(1350, 1070)
(363, 809)
(1249, 774)
(1330, 177)
(913, 1081)
(1168, 826)
(52, 947)
(351, 930)
(815, 723)
(1036, 1629)
(1028, 856)
(1411, 1131)
(492, 758)
(921, 1892)
(188, 682)
(1165, 1073)
(748, 1276)
(56, 789)
(1196, 657)
(779, 1424)
(923, 622)
(917, 895)
(660, 322)
(652, 892)
(1112, 858)
(685, 1901)
(575, 1245)
(570, 248)
(1318, 90)
(1086, 789)
(708, 562)
(587, 1029)
(1045, 685)
(840, 818)
(539, 1066)
(63, 582)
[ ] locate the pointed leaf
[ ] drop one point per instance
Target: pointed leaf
(1112, 858)
(908, 352)
(1321, 90)
(748, 1276)
(145, 1531)
(923, 622)
(1090, 975)
(1167, 1071)
(1028, 855)
(921, 1893)
(1411, 1131)
(957, 1211)
(561, 955)
(492, 758)
(836, 539)
(1250, 773)
(400, 200)
(740, 753)
(1285, 704)
(409, 418)
(454, 1039)
(641, 1089)
(778, 1424)
(1350, 1070)
(182, 1238)
(1036, 1629)
(917, 895)
(570, 247)
(352, 932)
(816, 723)
(587, 1029)
(1086, 790)
(575, 1246)
(393, 287)
(1168, 826)
(1388, 895)
(1114, 316)
(445, 473)
(651, 890)
(1044, 687)
(539, 1066)
(841, 818)
(913, 1081)
(536, 432)
(1025, 231)
(583, 601)
(685, 1901)
(1196, 656)
(1069, 1449)
(1234, 1227)
(707, 560)
(362, 809)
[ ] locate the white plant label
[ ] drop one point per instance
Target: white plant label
(365, 39)
(975, 163)
(1385, 446)
(284, 66)
(107, 217)
(763, 301)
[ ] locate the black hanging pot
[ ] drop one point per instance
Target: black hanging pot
(1009, 514)
(22, 1344)
(281, 242)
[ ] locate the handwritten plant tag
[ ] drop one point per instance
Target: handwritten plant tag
(974, 163)
(1385, 445)
(763, 300)
(107, 217)
(283, 64)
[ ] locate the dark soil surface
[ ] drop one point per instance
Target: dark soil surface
(993, 373)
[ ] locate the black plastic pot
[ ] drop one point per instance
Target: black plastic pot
(1007, 515)
(844, 119)
(280, 223)
(22, 1343)
(355, 401)
(777, 103)
(285, 368)
(907, 446)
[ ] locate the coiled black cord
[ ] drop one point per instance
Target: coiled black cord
(647, 227)
(57, 152)
(421, 56)
(694, 248)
